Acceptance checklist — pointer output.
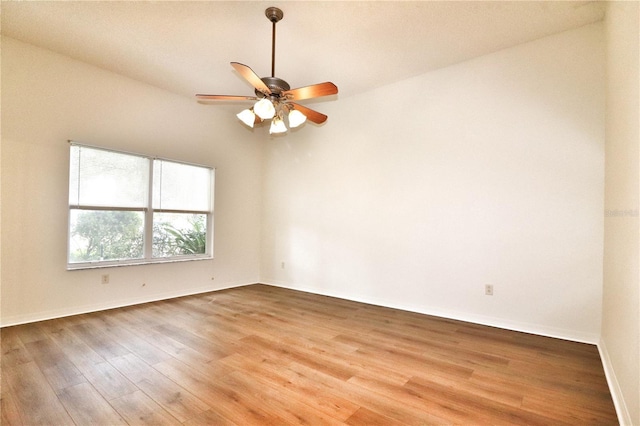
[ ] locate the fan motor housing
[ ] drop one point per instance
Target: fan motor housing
(275, 84)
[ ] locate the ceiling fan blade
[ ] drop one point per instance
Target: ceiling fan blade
(251, 77)
(226, 98)
(313, 91)
(311, 115)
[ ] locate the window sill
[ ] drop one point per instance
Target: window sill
(136, 262)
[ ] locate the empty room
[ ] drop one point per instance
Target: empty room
(340, 212)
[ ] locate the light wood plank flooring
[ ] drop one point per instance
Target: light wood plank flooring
(265, 355)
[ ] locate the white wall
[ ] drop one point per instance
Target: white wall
(46, 100)
(620, 343)
(417, 194)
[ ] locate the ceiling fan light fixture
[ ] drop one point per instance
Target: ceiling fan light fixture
(296, 118)
(247, 117)
(274, 98)
(277, 126)
(264, 109)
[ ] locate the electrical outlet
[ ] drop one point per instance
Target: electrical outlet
(105, 279)
(488, 290)
(282, 265)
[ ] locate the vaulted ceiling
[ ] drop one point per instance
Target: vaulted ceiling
(185, 47)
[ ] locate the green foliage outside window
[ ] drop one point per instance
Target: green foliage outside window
(113, 235)
(107, 235)
(170, 239)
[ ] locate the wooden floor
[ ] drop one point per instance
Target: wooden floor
(264, 355)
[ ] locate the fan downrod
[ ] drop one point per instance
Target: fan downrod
(274, 14)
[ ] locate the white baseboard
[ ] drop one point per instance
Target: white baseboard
(461, 316)
(558, 333)
(78, 310)
(624, 417)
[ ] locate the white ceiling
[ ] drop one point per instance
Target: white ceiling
(186, 47)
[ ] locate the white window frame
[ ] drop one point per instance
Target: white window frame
(149, 212)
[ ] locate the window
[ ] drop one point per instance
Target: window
(131, 209)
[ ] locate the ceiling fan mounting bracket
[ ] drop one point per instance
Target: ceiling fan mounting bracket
(274, 14)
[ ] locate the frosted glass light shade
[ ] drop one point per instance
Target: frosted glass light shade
(296, 118)
(264, 109)
(247, 117)
(277, 126)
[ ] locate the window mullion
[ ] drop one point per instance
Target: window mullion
(148, 217)
(210, 220)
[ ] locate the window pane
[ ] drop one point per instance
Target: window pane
(178, 186)
(110, 179)
(176, 234)
(105, 235)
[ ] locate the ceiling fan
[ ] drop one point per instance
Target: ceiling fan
(275, 99)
